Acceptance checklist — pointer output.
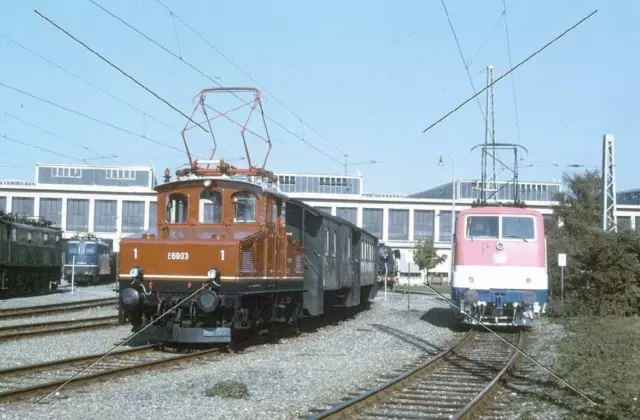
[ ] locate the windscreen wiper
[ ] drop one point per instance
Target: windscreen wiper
(516, 236)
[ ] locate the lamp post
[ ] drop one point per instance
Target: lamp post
(453, 209)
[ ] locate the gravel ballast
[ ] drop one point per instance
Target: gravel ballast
(60, 345)
(278, 381)
(520, 398)
(64, 316)
(63, 295)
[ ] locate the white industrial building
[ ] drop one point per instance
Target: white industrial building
(113, 202)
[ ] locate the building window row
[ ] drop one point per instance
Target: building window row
(105, 215)
(286, 180)
(398, 223)
(340, 182)
(318, 184)
(121, 174)
(63, 172)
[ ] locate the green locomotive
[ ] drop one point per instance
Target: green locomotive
(30, 256)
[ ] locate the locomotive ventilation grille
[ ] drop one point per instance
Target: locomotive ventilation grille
(246, 262)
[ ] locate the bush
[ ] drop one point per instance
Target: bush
(602, 276)
(229, 389)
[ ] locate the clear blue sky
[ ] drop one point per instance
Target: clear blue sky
(369, 75)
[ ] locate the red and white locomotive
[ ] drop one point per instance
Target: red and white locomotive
(500, 265)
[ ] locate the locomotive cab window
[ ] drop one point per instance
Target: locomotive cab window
(515, 227)
(177, 206)
(483, 227)
(244, 207)
(210, 206)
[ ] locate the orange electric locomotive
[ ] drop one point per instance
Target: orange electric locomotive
(231, 254)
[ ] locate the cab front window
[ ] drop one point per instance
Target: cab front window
(177, 206)
(515, 227)
(244, 207)
(210, 206)
(485, 227)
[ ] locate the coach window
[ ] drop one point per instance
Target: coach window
(483, 227)
(210, 206)
(326, 242)
(14, 235)
(244, 207)
(517, 227)
(335, 241)
(177, 206)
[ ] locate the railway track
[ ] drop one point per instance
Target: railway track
(39, 379)
(55, 308)
(14, 332)
(450, 386)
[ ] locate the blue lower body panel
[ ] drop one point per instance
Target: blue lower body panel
(504, 295)
(499, 306)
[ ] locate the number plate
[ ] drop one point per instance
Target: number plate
(177, 255)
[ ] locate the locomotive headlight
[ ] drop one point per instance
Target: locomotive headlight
(529, 297)
(528, 280)
(471, 279)
(130, 299)
(135, 272)
(208, 301)
(213, 273)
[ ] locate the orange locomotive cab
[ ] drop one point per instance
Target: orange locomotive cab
(219, 260)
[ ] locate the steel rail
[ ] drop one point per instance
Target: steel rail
(461, 384)
(12, 332)
(111, 366)
(23, 372)
(26, 311)
(351, 407)
(466, 411)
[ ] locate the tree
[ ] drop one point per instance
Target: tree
(602, 276)
(426, 257)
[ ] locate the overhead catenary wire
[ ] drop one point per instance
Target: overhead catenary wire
(108, 124)
(485, 40)
(464, 62)
(89, 83)
(100, 156)
(210, 79)
(510, 71)
(173, 14)
(513, 83)
(120, 70)
(4, 136)
(145, 114)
